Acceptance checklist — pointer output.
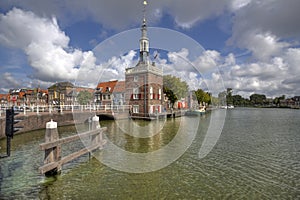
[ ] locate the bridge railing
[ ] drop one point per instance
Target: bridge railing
(67, 108)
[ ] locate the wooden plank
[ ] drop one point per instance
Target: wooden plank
(79, 153)
(69, 139)
(50, 166)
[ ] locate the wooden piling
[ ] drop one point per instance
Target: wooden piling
(52, 155)
(53, 161)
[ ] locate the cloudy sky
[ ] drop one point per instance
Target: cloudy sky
(253, 44)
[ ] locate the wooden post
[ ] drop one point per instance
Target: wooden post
(53, 154)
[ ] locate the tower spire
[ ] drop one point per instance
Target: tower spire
(144, 41)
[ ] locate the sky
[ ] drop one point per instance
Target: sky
(251, 46)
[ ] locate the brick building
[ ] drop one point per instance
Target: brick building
(65, 93)
(110, 93)
(144, 82)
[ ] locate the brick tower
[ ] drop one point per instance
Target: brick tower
(144, 82)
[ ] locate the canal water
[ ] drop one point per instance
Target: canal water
(257, 156)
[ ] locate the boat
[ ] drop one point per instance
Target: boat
(227, 107)
(200, 111)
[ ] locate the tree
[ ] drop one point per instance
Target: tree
(84, 97)
(203, 96)
(258, 99)
(174, 88)
(277, 100)
(229, 99)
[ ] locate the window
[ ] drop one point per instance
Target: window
(151, 92)
(135, 109)
(151, 107)
(135, 78)
(159, 94)
(135, 93)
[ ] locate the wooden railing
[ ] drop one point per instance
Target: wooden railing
(52, 146)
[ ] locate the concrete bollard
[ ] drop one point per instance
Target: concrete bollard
(52, 154)
(95, 125)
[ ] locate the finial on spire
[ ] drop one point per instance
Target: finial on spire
(145, 3)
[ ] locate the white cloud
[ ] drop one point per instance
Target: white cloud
(90, 74)
(46, 46)
(208, 60)
(262, 45)
(188, 13)
(7, 79)
(263, 26)
(20, 29)
(238, 4)
(118, 14)
(277, 17)
(277, 76)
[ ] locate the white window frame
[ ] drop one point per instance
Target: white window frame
(135, 93)
(159, 93)
(151, 92)
(135, 109)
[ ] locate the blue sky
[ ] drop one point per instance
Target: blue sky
(254, 45)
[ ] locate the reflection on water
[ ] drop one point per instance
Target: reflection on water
(256, 157)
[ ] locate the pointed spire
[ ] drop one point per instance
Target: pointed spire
(145, 3)
(144, 41)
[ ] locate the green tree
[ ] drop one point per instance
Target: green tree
(84, 97)
(203, 96)
(174, 88)
(258, 99)
(277, 100)
(229, 100)
(237, 100)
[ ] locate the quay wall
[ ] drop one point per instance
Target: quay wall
(38, 121)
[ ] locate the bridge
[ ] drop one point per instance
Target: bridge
(35, 117)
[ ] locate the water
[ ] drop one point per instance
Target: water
(256, 157)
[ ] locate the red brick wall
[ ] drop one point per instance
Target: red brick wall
(145, 81)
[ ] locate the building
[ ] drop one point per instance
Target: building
(110, 93)
(119, 94)
(58, 93)
(17, 97)
(36, 97)
(4, 100)
(104, 93)
(65, 93)
(144, 82)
